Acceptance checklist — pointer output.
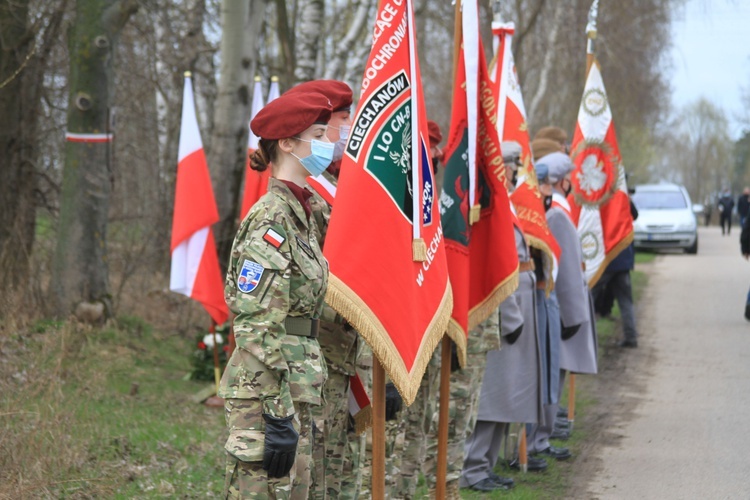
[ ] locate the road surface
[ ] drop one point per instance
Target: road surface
(677, 417)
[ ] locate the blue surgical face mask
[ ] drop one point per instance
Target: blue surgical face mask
(321, 154)
(338, 146)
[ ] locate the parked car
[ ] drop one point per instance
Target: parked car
(666, 218)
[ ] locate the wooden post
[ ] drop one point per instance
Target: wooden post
(571, 401)
(523, 455)
(378, 430)
(444, 417)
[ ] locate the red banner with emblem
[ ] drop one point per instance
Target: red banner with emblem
(599, 199)
(389, 276)
(482, 257)
(512, 126)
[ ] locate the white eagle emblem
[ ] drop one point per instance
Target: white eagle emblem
(403, 159)
(592, 177)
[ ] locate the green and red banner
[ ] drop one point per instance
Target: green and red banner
(512, 126)
(482, 257)
(389, 276)
(599, 199)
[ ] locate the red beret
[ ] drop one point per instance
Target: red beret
(338, 92)
(434, 133)
(291, 114)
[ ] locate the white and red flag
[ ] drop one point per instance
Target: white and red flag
(389, 275)
(195, 267)
(600, 205)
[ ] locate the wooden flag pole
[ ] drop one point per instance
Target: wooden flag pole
(571, 401)
(523, 454)
(444, 416)
(217, 368)
(378, 430)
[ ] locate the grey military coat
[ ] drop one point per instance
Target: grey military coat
(577, 354)
(511, 388)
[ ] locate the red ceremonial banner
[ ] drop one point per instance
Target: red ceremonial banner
(389, 276)
(482, 257)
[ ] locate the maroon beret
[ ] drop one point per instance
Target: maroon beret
(433, 129)
(338, 92)
(291, 114)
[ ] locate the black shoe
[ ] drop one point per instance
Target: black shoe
(487, 484)
(561, 434)
(630, 343)
(562, 413)
(562, 423)
(747, 312)
(557, 453)
(533, 464)
(504, 481)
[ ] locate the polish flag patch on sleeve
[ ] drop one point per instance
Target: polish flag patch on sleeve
(274, 238)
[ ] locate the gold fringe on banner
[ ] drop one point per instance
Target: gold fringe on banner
(363, 420)
(347, 303)
(474, 214)
(612, 255)
(492, 302)
(418, 250)
(459, 336)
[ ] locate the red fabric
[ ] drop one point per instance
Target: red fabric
(208, 288)
(338, 92)
(291, 114)
(194, 203)
(256, 185)
(369, 239)
(302, 195)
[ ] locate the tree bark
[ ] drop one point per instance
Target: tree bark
(337, 68)
(80, 271)
(309, 29)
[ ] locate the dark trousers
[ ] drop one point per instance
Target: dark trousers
(619, 284)
(726, 219)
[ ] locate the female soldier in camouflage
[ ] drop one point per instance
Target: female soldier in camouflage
(275, 286)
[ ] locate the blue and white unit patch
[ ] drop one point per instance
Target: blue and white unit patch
(249, 276)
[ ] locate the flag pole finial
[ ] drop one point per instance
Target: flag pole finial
(187, 74)
(257, 78)
(274, 78)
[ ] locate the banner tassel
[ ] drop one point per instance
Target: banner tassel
(474, 214)
(363, 420)
(418, 250)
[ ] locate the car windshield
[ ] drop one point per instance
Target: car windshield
(659, 200)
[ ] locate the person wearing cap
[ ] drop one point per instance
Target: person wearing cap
(548, 317)
(556, 135)
(275, 287)
(510, 390)
(579, 343)
(333, 468)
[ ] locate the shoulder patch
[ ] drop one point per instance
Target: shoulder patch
(249, 276)
(273, 238)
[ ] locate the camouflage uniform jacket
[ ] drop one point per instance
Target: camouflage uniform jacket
(276, 270)
(337, 339)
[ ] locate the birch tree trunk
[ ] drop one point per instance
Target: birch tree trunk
(228, 154)
(309, 30)
(80, 272)
(337, 67)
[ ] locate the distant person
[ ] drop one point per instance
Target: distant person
(743, 205)
(745, 248)
(708, 209)
(726, 204)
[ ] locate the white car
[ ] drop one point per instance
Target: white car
(665, 218)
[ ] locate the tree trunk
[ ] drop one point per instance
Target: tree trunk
(309, 29)
(337, 68)
(80, 272)
(228, 154)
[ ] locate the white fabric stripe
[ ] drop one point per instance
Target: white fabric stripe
(557, 197)
(326, 184)
(186, 259)
(353, 406)
(190, 136)
(591, 234)
(470, 29)
(252, 139)
(416, 212)
(88, 137)
(273, 92)
(594, 127)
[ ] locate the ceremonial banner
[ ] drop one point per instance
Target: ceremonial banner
(389, 276)
(481, 252)
(256, 183)
(195, 266)
(512, 126)
(600, 204)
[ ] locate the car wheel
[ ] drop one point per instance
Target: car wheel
(693, 249)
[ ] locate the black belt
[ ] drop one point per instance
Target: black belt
(302, 327)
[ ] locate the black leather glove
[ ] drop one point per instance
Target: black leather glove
(513, 336)
(280, 445)
(455, 364)
(393, 401)
(569, 331)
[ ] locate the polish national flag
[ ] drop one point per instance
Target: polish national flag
(256, 183)
(195, 266)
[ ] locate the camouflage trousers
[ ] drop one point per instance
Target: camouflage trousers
(407, 457)
(331, 447)
(245, 477)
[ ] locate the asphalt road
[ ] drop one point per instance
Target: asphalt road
(681, 427)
